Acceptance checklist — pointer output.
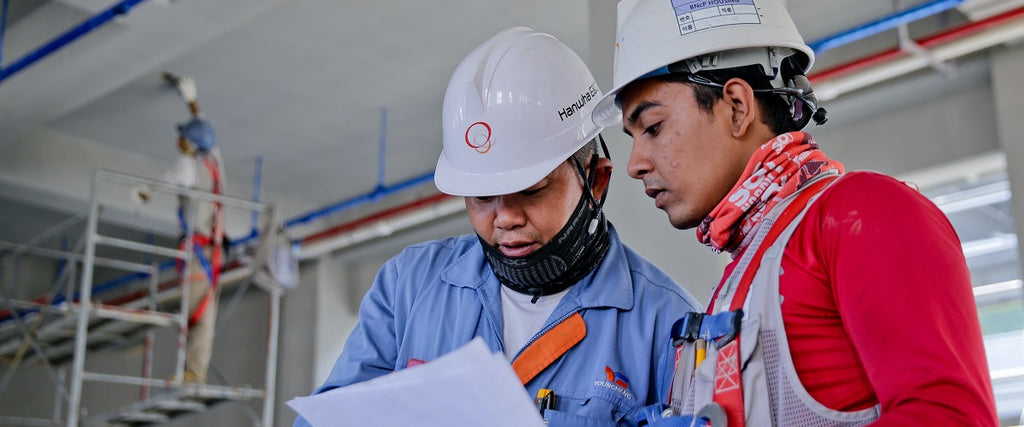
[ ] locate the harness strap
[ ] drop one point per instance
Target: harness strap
(549, 347)
(199, 311)
(785, 218)
(217, 232)
(181, 221)
(210, 274)
(210, 269)
(728, 379)
(211, 266)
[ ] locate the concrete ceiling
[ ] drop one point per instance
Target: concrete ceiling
(301, 84)
(298, 83)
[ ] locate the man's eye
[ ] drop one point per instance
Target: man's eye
(531, 191)
(653, 129)
(483, 199)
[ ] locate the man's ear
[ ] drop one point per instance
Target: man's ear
(603, 178)
(739, 97)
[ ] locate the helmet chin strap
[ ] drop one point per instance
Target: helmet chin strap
(589, 180)
(803, 104)
(786, 72)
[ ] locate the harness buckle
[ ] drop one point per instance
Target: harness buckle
(721, 328)
(687, 328)
(734, 320)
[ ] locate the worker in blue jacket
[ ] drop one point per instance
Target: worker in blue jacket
(545, 279)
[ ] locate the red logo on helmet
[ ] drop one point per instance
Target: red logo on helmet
(478, 137)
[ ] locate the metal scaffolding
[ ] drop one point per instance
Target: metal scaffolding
(61, 328)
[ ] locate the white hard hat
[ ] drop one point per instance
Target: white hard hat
(516, 107)
(653, 34)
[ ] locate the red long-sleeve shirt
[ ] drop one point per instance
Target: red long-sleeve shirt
(878, 307)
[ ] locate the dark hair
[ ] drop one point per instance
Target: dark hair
(774, 109)
(585, 152)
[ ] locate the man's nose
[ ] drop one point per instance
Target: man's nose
(508, 213)
(639, 162)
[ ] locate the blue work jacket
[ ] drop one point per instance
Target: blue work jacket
(433, 297)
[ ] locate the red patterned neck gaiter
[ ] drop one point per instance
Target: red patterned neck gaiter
(777, 169)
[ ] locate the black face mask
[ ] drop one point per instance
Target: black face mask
(577, 249)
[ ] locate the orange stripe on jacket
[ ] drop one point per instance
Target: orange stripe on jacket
(549, 347)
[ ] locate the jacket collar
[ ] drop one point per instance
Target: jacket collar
(610, 285)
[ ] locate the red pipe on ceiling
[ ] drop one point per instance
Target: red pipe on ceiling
(929, 41)
(367, 220)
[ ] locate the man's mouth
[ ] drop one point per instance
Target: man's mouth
(657, 194)
(517, 248)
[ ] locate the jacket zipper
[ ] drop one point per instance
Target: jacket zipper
(490, 322)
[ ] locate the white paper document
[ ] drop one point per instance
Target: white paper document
(468, 387)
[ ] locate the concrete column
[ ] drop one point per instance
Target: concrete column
(295, 356)
(334, 321)
(1008, 96)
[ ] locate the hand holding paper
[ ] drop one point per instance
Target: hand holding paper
(469, 386)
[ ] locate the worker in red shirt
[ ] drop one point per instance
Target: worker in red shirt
(848, 300)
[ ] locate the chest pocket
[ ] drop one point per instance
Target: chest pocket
(597, 407)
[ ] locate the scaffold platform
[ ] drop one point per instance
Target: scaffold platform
(187, 400)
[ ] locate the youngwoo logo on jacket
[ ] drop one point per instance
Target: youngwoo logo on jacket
(616, 381)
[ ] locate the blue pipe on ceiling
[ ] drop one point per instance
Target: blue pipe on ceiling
(69, 36)
(363, 199)
(256, 179)
(885, 23)
(382, 146)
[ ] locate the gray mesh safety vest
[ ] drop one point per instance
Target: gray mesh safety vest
(772, 392)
